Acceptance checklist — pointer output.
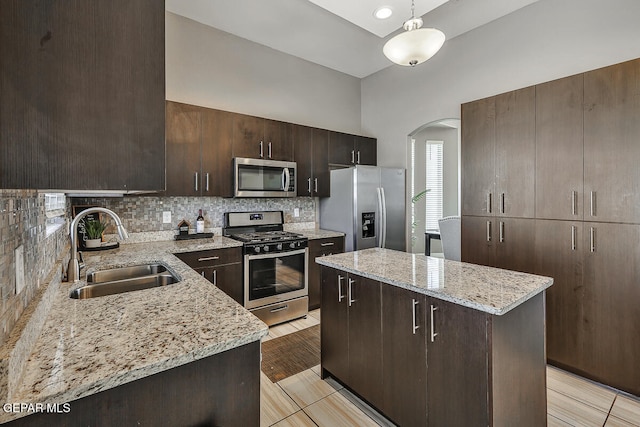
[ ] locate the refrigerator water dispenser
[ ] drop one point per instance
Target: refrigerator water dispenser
(368, 225)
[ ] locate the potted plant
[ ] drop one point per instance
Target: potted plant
(93, 230)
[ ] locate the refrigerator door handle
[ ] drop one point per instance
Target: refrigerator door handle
(379, 218)
(384, 218)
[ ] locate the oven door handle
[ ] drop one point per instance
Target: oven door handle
(276, 254)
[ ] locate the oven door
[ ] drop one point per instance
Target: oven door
(270, 278)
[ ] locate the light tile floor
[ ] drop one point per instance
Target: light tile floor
(306, 400)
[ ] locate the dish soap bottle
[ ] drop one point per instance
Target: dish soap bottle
(200, 222)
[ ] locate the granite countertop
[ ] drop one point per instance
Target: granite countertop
(94, 344)
(316, 233)
(488, 289)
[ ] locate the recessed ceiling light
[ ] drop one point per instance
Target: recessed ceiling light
(383, 12)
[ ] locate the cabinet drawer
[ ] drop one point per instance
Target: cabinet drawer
(211, 257)
(332, 245)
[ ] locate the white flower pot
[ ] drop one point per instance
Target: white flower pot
(93, 243)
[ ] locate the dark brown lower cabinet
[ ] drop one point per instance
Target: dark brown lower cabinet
(319, 248)
(220, 390)
(222, 267)
(442, 364)
(351, 333)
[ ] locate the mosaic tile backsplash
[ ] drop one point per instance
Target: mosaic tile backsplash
(23, 223)
(144, 213)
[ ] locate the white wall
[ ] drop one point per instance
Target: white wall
(542, 42)
(211, 68)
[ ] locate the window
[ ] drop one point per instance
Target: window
(433, 198)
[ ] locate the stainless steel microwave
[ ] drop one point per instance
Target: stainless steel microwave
(263, 178)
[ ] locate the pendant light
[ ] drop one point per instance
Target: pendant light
(415, 45)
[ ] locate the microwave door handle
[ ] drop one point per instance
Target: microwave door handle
(286, 178)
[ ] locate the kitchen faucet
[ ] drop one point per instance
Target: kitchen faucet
(73, 272)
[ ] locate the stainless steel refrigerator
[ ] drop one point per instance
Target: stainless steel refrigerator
(367, 203)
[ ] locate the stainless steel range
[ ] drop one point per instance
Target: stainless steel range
(275, 265)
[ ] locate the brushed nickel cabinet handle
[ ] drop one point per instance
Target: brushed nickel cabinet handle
(573, 237)
(358, 156)
(574, 200)
(350, 290)
(488, 202)
(327, 244)
(261, 149)
(433, 328)
(215, 277)
(415, 326)
(196, 181)
(353, 157)
(315, 184)
(269, 148)
(592, 239)
(593, 203)
(501, 231)
(340, 296)
(488, 231)
(206, 188)
(309, 185)
(208, 258)
(501, 203)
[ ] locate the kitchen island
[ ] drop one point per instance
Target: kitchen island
(180, 353)
(429, 341)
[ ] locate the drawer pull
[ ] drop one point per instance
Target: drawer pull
(434, 334)
(351, 300)
(413, 312)
(340, 296)
(327, 244)
(208, 258)
(275, 310)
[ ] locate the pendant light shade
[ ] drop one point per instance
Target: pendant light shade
(415, 45)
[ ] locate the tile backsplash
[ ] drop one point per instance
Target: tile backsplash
(23, 224)
(144, 213)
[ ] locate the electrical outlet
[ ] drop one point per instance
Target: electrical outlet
(296, 212)
(19, 257)
(166, 217)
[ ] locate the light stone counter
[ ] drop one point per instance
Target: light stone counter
(94, 344)
(491, 290)
(316, 233)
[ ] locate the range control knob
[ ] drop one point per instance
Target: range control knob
(292, 245)
(265, 248)
(279, 246)
(256, 249)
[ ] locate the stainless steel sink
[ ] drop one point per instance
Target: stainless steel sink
(125, 273)
(125, 279)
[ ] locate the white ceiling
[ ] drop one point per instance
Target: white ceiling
(333, 34)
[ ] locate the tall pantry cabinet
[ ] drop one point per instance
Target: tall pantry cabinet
(583, 228)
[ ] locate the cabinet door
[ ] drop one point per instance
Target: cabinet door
(321, 185)
(515, 153)
(478, 246)
(559, 154)
(559, 254)
(365, 338)
(515, 248)
(366, 150)
(611, 310)
(611, 148)
(404, 356)
(303, 155)
(458, 340)
(228, 278)
(278, 141)
(248, 137)
(334, 328)
(341, 148)
(320, 248)
(217, 153)
(478, 157)
(184, 129)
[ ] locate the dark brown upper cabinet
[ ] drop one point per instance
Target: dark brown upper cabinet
(198, 151)
(498, 155)
(349, 150)
(310, 155)
(559, 152)
(258, 138)
(83, 95)
(611, 143)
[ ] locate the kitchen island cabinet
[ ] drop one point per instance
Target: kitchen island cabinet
(476, 334)
(319, 248)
